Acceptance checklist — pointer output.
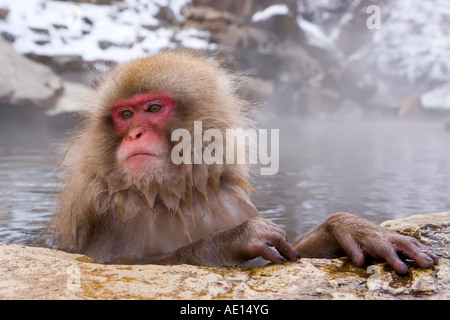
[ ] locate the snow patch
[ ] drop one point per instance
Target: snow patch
(96, 32)
(269, 12)
(315, 35)
(413, 41)
(437, 98)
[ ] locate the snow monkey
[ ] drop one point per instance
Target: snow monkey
(124, 200)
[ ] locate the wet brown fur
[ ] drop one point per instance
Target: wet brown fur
(104, 213)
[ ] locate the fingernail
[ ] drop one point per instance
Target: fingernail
(429, 259)
(298, 255)
(282, 258)
(404, 268)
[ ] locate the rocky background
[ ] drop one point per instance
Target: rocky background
(321, 59)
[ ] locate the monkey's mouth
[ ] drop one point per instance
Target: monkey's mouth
(142, 162)
(141, 154)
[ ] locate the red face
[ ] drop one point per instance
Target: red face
(140, 121)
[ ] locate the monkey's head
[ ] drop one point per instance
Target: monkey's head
(142, 102)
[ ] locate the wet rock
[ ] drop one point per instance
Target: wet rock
(24, 81)
(3, 13)
(283, 26)
(39, 273)
(166, 16)
(209, 18)
(6, 89)
(8, 36)
(61, 63)
(447, 124)
(75, 97)
(431, 229)
(244, 10)
(411, 108)
(42, 31)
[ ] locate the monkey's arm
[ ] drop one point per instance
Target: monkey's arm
(343, 233)
(251, 239)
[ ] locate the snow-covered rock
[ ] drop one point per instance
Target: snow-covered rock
(96, 32)
(408, 54)
(23, 81)
(269, 12)
(437, 98)
(315, 36)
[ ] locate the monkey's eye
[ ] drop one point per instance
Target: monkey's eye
(126, 114)
(154, 108)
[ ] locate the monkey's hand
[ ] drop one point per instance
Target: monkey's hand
(357, 237)
(256, 237)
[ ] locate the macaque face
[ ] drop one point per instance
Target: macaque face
(142, 124)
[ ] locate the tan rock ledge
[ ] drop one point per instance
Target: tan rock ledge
(39, 273)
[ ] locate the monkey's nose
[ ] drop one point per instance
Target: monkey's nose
(135, 133)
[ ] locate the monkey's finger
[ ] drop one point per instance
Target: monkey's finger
(285, 248)
(264, 251)
(422, 255)
(385, 250)
(392, 259)
(432, 255)
(427, 250)
(352, 248)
